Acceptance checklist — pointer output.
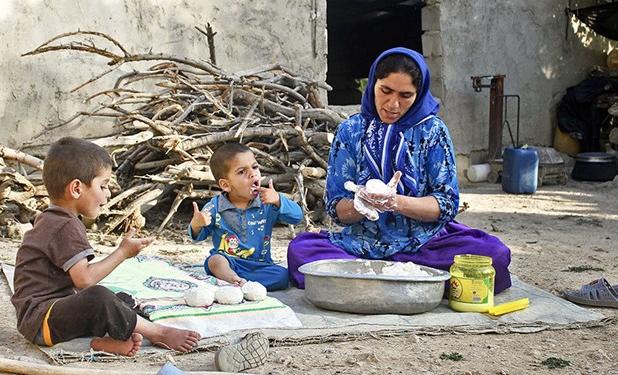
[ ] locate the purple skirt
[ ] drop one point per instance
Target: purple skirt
(438, 253)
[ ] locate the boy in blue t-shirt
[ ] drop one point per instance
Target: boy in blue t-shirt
(241, 220)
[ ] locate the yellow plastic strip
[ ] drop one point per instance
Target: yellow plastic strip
(46, 331)
(508, 307)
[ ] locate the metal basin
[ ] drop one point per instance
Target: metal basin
(358, 286)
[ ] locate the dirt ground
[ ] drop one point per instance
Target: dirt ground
(561, 237)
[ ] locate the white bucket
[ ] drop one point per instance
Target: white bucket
(478, 172)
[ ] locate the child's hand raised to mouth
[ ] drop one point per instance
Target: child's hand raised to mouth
(268, 195)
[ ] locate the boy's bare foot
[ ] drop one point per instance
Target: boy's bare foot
(219, 267)
(180, 340)
(239, 281)
(128, 347)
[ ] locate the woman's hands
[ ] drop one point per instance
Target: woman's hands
(382, 201)
(367, 204)
(375, 197)
(360, 205)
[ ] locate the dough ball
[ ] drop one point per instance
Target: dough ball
(375, 186)
(200, 296)
(229, 295)
(350, 186)
(254, 291)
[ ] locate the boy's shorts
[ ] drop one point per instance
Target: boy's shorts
(94, 311)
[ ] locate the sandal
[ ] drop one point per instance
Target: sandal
(598, 293)
(250, 352)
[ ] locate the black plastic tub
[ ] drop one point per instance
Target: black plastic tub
(594, 166)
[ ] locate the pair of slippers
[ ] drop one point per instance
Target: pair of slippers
(599, 293)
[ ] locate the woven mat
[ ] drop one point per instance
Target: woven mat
(546, 311)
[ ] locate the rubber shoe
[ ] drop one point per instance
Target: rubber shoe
(251, 351)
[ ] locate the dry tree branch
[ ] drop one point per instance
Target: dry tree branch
(74, 33)
(94, 78)
(134, 206)
(22, 157)
(247, 119)
(230, 135)
(210, 38)
(186, 192)
(313, 113)
(114, 58)
(308, 149)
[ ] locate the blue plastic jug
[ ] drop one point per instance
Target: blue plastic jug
(520, 170)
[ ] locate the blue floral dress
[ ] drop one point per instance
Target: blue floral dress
(428, 163)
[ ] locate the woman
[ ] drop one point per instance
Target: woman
(397, 131)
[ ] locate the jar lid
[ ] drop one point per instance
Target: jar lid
(473, 260)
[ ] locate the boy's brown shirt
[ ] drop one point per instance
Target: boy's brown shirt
(56, 242)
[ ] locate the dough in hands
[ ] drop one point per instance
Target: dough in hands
(375, 186)
(254, 291)
(367, 211)
(200, 296)
(229, 295)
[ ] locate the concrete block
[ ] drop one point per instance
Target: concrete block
(432, 43)
(437, 87)
(430, 18)
(435, 66)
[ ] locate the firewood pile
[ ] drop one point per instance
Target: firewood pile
(21, 198)
(169, 118)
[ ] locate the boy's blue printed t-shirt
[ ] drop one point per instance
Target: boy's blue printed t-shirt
(246, 233)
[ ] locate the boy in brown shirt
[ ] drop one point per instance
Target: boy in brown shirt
(56, 296)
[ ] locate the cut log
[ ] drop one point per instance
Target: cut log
(314, 113)
(143, 199)
(312, 172)
(123, 140)
(22, 157)
(127, 193)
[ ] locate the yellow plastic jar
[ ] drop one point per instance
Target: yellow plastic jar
(472, 283)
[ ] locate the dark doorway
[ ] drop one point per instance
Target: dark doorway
(358, 30)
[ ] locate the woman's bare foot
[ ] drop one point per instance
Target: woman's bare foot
(179, 340)
(128, 347)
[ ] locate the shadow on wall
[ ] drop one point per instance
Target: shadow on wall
(586, 37)
(589, 38)
(582, 48)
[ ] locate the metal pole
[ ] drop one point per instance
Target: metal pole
(496, 105)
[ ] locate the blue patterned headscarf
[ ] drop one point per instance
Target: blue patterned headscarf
(384, 147)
